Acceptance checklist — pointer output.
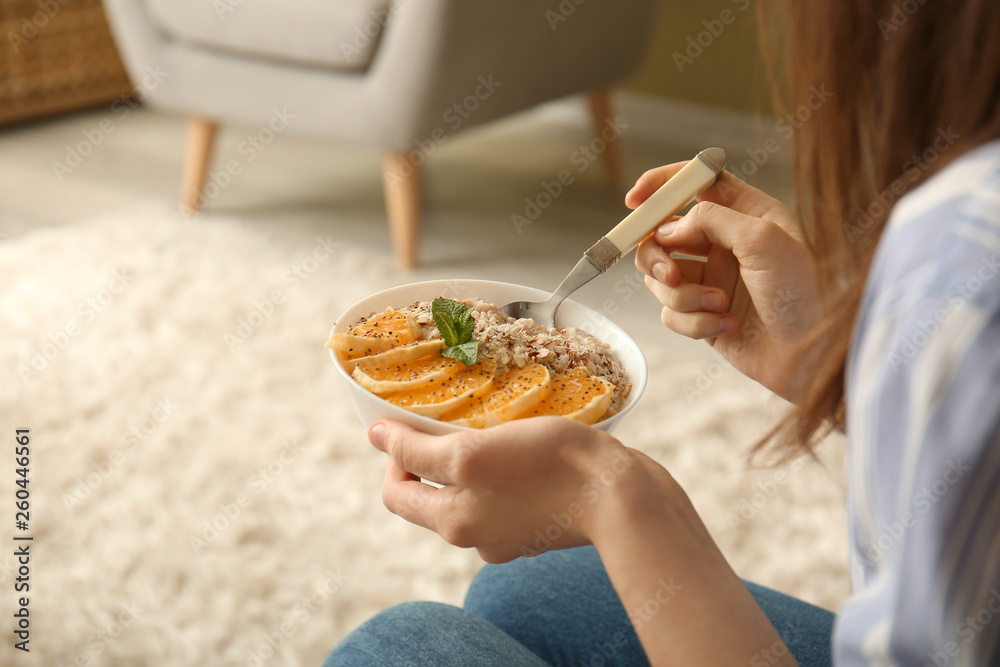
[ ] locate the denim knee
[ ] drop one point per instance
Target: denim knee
(535, 586)
(390, 636)
(560, 605)
(417, 634)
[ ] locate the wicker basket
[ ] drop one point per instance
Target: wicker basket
(57, 55)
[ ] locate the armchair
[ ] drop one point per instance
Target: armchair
(397, 75)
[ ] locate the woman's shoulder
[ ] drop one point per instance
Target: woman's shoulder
(969, 179)
(942, 240)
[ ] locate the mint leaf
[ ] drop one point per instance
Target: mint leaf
(449, 316)
(464, 326)
(454, 309)
(453, 320)
(467, 352)
(446, 327)
(456, 326)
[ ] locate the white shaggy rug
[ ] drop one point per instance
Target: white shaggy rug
(201, 491)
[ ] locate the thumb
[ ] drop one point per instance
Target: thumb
(414, 451)
(378, 433)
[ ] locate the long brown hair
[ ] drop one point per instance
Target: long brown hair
(912, 84)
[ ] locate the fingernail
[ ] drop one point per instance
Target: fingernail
(727, 324)
(376, 434)
(712, 301)
(660, 271)
(666, 229)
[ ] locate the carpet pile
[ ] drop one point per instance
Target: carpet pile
(201, 491)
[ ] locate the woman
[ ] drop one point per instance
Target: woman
(887, 326)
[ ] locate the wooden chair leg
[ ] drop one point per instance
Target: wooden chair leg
(197, 157)
(401, 182)
(602, 113)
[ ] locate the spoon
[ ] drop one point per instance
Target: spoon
(693, 179)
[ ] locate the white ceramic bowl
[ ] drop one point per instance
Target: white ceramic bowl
(371, 408)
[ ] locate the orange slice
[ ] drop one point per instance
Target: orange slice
(471, 414)
(394, 355)
(438, 397)
(513, 394)
(385, 379)
(576, 394)
(388, 329)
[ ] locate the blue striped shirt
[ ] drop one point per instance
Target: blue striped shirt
(923, 422)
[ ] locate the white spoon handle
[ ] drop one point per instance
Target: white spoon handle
(693, 179)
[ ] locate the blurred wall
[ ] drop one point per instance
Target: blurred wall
(705, 51)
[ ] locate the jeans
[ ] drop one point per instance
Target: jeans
(555, 609)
